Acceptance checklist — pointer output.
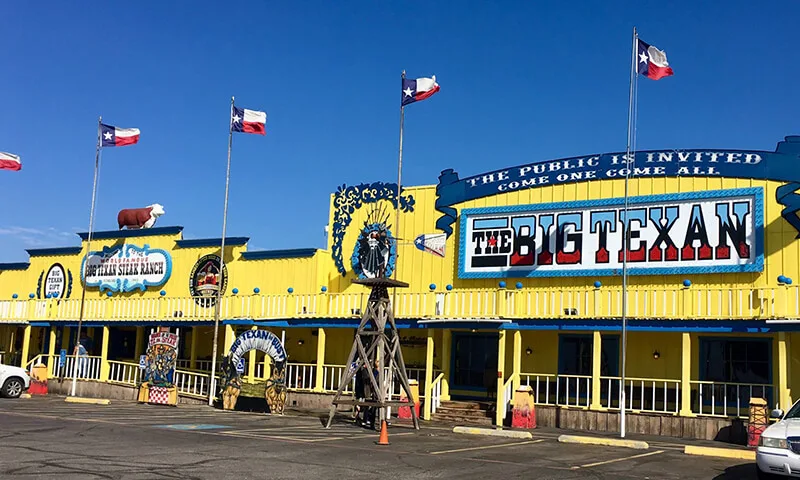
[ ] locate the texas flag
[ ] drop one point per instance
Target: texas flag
(652, 62)
(118, 137)
(9, 161)
(416, 89)
(248, 121)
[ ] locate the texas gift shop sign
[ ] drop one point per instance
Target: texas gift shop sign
(699, 232)
(126, 268)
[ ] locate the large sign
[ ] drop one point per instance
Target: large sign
(56, 282)
(233, 367)
(262, 340)
(780, 165)
(126, 268)
(206, 281)
(700, 232)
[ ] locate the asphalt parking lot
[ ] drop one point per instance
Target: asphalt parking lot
(44, 437)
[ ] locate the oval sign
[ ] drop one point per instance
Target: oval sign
(55, 282)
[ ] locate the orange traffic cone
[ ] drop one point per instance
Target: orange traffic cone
(384, 438)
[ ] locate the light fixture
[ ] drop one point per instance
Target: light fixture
(656, 355)
(528, 351)
(301, 341)
(473, 330)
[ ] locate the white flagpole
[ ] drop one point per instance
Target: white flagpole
(213, 382)
(86, 258)
(626, 239)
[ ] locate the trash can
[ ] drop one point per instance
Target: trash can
(757, 421)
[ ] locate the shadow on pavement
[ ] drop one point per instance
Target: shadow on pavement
(746, 471)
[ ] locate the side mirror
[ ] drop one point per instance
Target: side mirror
(777, 413)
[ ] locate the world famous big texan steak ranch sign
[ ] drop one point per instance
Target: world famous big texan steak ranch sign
(126, 267)
(700, 232)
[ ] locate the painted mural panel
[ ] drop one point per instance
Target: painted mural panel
(158, 379)
(126, 267)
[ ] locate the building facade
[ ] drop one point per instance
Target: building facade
(515, 279)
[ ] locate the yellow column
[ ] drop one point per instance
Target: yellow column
(230, 336)
(686, 375)
(517, 359)
(784, 392)
(318, 377)
(193, 348)
(65, 340)
(447, 341)
(137, 349)
(26, 345)
(426, 413)
(502, 302)
(251, 363)
(104, 367)
(501, 367)
(51, 348)
(597, 345)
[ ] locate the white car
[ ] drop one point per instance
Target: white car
(13, 381)
(778, 452)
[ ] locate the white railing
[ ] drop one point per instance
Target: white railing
(200, 365)
(725, 399)
(436, 393)
(504, 403)
(125, 373)
(88, 367)
(562, 390)
(192, 384)
(332, 375)
(301, 376)
(470, 303)
(306, 305)
(346, 304)
(642, 394)
(13, 310)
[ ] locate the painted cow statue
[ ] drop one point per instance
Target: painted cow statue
(135, 218)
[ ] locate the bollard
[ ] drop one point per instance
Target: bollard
(524, 413)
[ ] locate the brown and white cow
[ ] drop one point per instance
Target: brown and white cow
(134, 218)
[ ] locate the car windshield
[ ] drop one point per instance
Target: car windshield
(793, 412)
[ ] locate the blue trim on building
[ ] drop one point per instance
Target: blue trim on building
(15, 266)
(42, 252)
(212, 242)
(142, 232)
(39, 324)
(275, 254)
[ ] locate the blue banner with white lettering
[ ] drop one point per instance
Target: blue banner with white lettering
(781, 165)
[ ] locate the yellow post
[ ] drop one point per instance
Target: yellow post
(65, 340)
(51, 351)
(517, 359)
(137, 349)
(686, 375)
(426, 413)
(501, 367)
(104, 366)
(230, 336)
(447, 341)
(322, 304)
(597, 345)
(502, 302)
(26, 345)
(251, 363)
(193, 349)
(318, 377)
(785, 393)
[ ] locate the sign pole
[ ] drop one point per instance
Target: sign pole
(213, 383)
(626, 241)
(86, 258)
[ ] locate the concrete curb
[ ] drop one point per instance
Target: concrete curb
(491, 432)
(25, 395)
(734, 453)
(608, 442)
(93, 401)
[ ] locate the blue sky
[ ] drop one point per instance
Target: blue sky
(521, 81)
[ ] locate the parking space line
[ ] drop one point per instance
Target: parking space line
(606, 462)
(485, 447)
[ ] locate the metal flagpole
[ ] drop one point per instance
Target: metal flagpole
(213, 383)
(626, 239)
(86, 258)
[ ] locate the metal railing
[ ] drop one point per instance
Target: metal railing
(725, 399)
(192, 384)
(642, 394)
(301, 376)
(436, 393)
(200, 365)
(561, 390)
(88, 367)
(508, 397)
(125, 373)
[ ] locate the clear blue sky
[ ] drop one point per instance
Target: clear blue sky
(521, 81)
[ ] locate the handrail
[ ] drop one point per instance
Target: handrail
(436, 392)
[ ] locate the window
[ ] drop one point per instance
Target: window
(575, 355)
(735, 360)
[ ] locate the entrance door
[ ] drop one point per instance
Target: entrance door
(474, 364)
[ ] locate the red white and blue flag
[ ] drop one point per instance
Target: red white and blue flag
(118, 137)
(652, 62)
(9, 161)
(248, 121)
(416, 89)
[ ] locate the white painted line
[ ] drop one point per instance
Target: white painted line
(606, 462)
(485, 447)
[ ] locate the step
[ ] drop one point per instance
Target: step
(468, 405)
(461, 419)
(463, 411)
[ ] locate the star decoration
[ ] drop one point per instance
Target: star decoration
(642, 57)
(408, 91)
(236, 118)
(492, 241)
(107, 135)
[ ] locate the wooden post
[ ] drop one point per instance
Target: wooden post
(251, 363)
(230, 337)
(447, 340)
(51, 351)
(26, 345)
(517, 360)
(137, 350)
(193, 348)
(686, 375)
(318, 376)
(426, 414)
(597, 345)
(501, 367)
(784, 391)
(104, 366)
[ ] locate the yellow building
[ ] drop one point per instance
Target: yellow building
(528, 290)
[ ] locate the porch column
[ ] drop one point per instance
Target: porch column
(251, 363)
(26, 345)
(501, 367)
(426, 412)
(447, 340)
(686, 375)
(65, 340)
(230, 337)
(517, 359)
(137, 349)
(193, 349)
(104, 367)
(597, 345)
(784, 392)
(319, 373)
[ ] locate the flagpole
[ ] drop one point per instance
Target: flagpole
(626, 240)
(212, 387)
(86, 258)
(399, 179)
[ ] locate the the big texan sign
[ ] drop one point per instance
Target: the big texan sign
(126, 267)
(700, 232)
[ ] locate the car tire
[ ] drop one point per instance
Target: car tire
(13, 387)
